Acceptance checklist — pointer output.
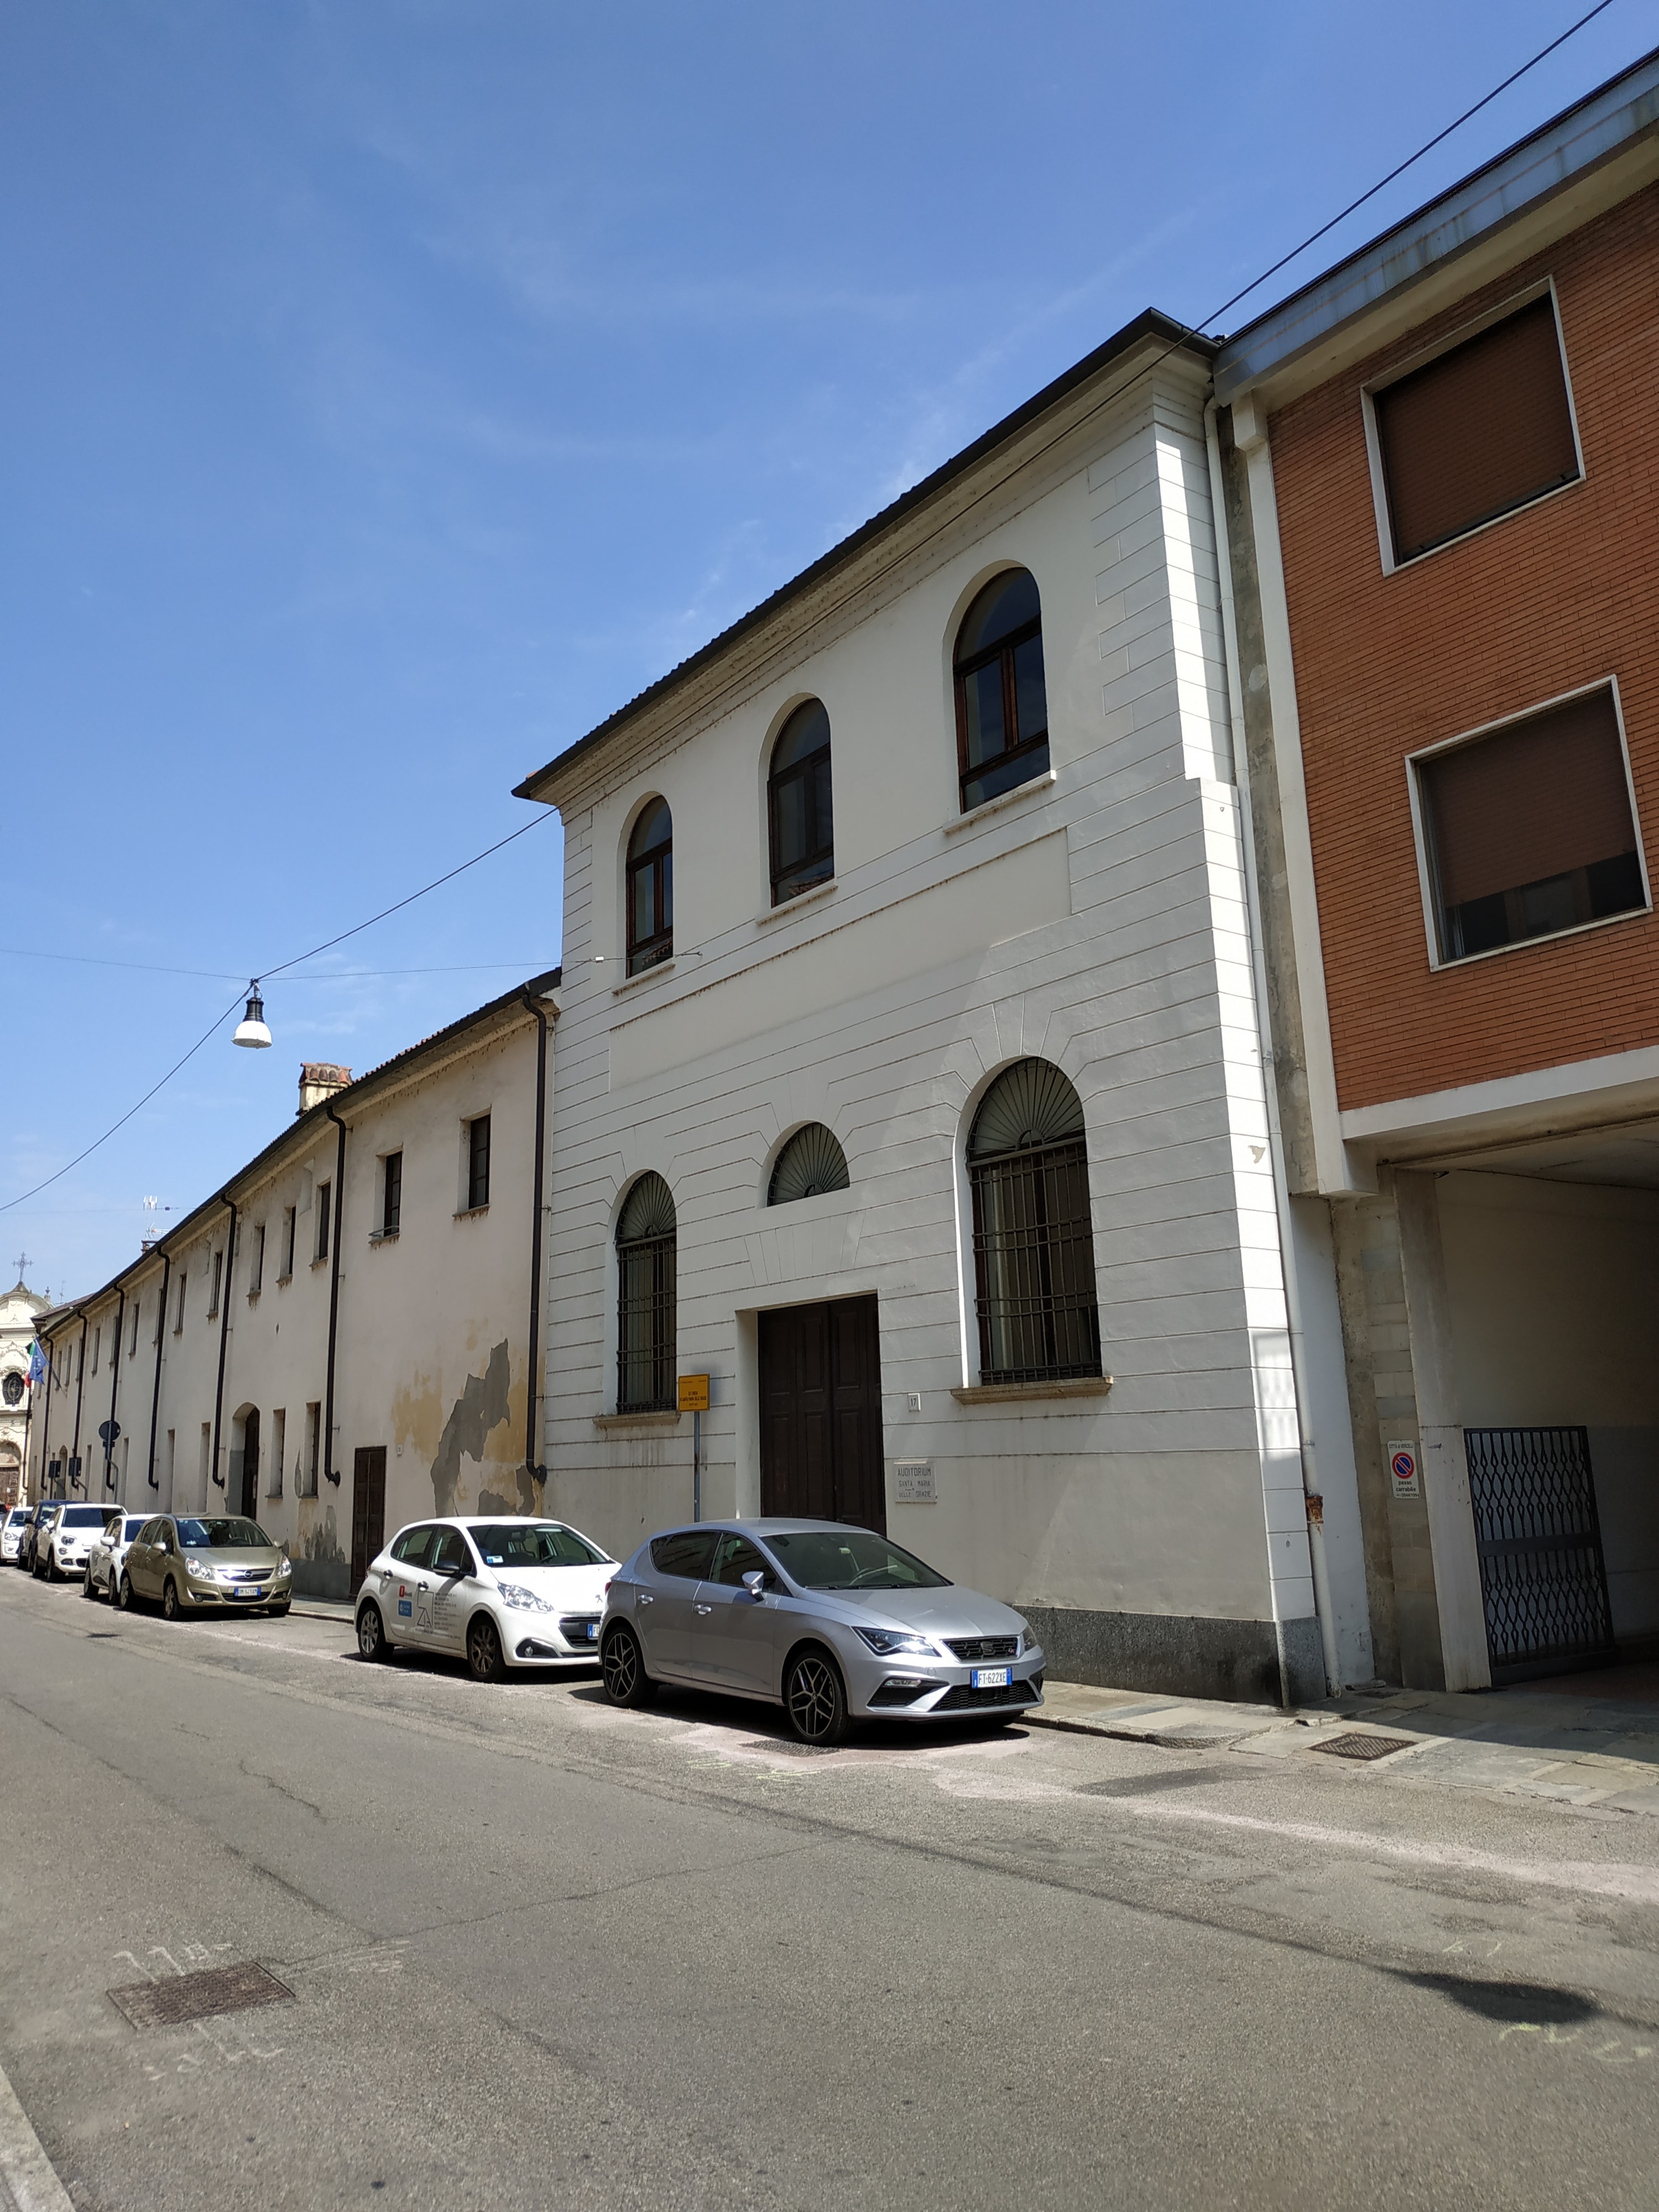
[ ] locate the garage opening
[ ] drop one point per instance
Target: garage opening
(820, 1405)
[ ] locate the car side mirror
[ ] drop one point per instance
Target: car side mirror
(755, 1583)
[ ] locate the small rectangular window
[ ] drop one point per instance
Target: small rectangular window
(1481, 431)
(207, 1457)
(218, 1284)
(478, 1162)
(324, 1209)
(256, 1263)
(132, 1342)
(392, 1194)
(1530, 829)
(179, 1320)
(97, 1347)
(287, 1241)
(278, 1451)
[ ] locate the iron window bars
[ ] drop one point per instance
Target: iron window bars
(1002, 701)
(647, 1241)
(1033, 1255)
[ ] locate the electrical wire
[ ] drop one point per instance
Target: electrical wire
(1189, 331)
(234, 975)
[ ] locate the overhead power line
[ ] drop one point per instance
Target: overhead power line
(234, 975)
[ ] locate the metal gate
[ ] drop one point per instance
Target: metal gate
(1543, 1580)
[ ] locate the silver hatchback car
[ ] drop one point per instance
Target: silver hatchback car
(836, 1625)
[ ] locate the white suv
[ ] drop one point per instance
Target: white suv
(11, 1533)
(77, 1529)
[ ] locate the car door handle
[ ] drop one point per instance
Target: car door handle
(705, 1608)
(643, 1597)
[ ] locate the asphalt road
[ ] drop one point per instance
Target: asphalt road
(543, 1954)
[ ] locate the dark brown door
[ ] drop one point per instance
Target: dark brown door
(368, 1509)
(251, 1466)
(820, 1391)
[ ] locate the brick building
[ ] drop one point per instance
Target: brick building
(1439, 476)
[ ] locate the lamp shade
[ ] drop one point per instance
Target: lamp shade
(250, 1030)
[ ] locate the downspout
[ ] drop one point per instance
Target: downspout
(80, 1393)
(114, 1385)
(214, 1475)
(155, 1392)
(336, 1227)
(1315, 1500)
(537, 1473)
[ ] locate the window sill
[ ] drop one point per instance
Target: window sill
(801, 898)
(321, 1261)
(1046, 782)
(288, 1277)
(471, 1212)
(1071, 1385)
(383, 1235)
(1439, 966)
(606, 1422)
(253, 1297)
(645, 976)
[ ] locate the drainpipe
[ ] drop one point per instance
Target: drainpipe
(155, 1392)
(335, 1227)
(114, 1385)
(537, 1472)
(1315, 1503)
(214, 1475)
(80, 1392)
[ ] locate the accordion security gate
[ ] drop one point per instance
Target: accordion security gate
(1543, 1580)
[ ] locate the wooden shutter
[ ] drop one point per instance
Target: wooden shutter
(1479, 431)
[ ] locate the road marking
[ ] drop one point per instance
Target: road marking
(25, 2169)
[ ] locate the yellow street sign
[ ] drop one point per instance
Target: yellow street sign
(694, 1394)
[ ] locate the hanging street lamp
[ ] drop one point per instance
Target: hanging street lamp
(250, 1030)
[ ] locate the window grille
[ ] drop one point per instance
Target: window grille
(646, 1237)
(1034, 1259)
(810, 1162)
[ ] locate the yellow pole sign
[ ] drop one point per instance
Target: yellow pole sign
(694, 1394)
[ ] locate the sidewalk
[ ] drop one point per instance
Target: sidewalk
(1564, 1744)
(324, 1608)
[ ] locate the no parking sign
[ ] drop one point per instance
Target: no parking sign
(1403, 1470)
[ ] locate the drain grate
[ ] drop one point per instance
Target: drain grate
(1363, 1746)
(183, 1997)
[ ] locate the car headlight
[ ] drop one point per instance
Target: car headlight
(1028, 1640)
(523, 1599)
(201, 1570)
(284, 1567)
(891, 1643)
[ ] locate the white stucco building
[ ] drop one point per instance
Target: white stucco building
(340, 1339)
(18, 1308)
(909, 1080)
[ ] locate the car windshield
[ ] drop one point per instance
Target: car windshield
(222, 1534)
(18, 1514)
(85, 1517)
(851, 1558)
(535, 1544)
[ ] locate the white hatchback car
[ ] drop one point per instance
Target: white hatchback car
(108, 1555)
(11, 1533)
(508, 1590)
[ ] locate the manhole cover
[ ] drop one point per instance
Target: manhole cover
(198, 1997)
(792, 1750)
(1363, 1746)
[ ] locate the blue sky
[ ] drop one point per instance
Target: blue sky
(393, 387)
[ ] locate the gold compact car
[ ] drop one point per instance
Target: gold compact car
(206, 1562)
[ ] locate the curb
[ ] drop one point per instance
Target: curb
(28, 2177)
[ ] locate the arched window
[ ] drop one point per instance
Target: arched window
(651, 888)
(1002, 703)
(646, 1233)
(1033, 1251)
(798, 803)
(811, 1162)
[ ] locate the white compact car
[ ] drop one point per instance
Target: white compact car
(11, 1532)
(502, 1592)
(108, 1554)
(75, 1532)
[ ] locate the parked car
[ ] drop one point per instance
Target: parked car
(62, 1550)
(32, 1551)
(108, 1553)
(835, 1623)
(507, 1591)
(205, 1562)
(11, 1533)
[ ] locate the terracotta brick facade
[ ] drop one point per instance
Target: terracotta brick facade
(1546, 600)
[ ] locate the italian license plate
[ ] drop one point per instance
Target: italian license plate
(992, 1678)
(245, 1593)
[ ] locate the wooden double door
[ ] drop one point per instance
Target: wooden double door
(820, 1404)
(368, 1509)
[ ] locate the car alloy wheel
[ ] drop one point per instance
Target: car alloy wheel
(114, 1588)
(128, 1596)
(371, 1633)
(88, 1587)
(170, 1606)
(816, 1702)
(622, 1667)
(484, 1650)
